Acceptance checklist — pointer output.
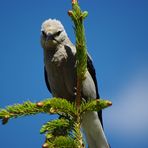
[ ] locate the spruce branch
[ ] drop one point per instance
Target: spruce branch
(56, 125)
(77, 133)
(65, 142)
(94, 105)
(78, 17)
(59, 133)
(49, 106)
(63, 106)
(18, 110)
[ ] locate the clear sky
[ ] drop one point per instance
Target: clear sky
(117, 39)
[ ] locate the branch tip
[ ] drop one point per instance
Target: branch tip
(39, 104)
(109, 103)
(53, 110)
(74, 1)
(45, 145)
(5, 119)
(70, 13)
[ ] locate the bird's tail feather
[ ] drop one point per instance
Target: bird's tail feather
(94, 132)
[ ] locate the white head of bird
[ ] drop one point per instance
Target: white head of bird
(52, 34)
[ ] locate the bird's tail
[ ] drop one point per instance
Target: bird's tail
(94, 132)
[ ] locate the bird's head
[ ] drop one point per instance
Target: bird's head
(52, 33)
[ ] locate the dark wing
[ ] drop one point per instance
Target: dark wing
(46, 80)
(92, 72)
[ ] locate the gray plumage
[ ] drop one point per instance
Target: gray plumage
(60, 77)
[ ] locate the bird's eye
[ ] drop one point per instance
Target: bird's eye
(44, 34)
(57, 33)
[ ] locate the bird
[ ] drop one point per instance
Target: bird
(60, 77)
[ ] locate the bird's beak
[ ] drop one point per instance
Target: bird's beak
(49, 37)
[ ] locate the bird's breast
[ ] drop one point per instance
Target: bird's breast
(61, 73)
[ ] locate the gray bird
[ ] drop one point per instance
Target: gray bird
(60, 77)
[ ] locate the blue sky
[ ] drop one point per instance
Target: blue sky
(117, 39)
